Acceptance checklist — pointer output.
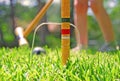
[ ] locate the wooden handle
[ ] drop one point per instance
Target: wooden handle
(35, 21)
(65, 30)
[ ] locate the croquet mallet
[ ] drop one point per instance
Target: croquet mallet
(65, 30)
(32, 25)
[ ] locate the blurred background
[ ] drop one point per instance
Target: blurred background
(15, 13)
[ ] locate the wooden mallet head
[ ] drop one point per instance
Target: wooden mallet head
(19, 33)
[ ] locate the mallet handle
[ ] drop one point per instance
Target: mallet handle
(35, 21)
(65, 30)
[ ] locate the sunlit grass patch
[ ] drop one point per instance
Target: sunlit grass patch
(19, 64)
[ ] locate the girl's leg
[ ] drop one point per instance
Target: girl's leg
(105, 25)
(103, 19)
(80, 19)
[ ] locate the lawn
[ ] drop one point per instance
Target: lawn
(18, 64)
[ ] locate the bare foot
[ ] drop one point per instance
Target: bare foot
(78, 48)
(75, 49)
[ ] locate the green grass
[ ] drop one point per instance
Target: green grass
(17, 64)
